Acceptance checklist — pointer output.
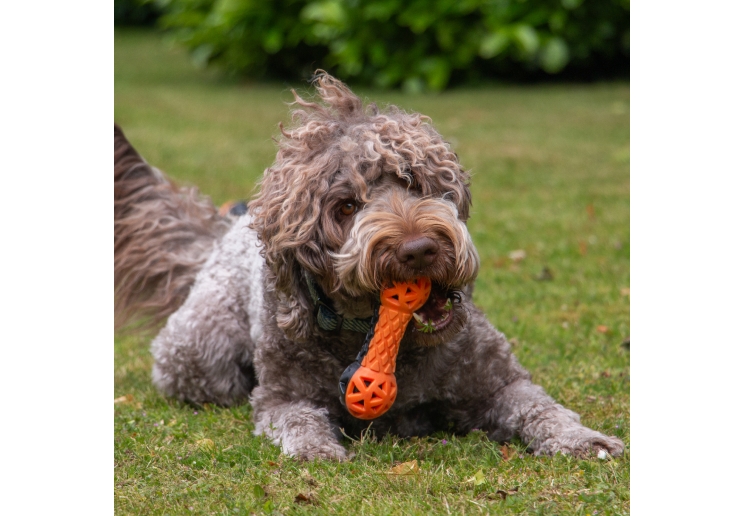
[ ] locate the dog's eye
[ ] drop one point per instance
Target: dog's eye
(348, 208)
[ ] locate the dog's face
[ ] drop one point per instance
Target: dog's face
(360, 199)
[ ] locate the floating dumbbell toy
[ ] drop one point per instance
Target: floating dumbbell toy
(368, 387)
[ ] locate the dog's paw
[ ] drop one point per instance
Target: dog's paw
(328, 451)
(581, 442)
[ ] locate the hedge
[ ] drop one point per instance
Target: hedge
(416, 43)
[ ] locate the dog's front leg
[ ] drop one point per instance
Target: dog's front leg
(509, 403)
(301, 429)
(546, 426)
(205, 351)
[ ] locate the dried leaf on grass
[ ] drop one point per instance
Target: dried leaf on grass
(590, 211)
(545, 275)
(499, 262)
(602, 328)
(503, 494)
(127, 399)
(406, 468)
(517, 255)
(304, 498)
(507, 453)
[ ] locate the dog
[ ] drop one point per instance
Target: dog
(270, 306)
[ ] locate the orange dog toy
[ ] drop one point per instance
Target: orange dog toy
(368, 387)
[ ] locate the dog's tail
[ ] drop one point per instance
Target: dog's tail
(163, 234)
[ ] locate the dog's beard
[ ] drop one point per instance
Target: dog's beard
(367, 263)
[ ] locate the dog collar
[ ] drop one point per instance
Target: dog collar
(327, 318)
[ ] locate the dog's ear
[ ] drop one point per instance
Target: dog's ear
(294, 309)
(286, 215)
(287, 211)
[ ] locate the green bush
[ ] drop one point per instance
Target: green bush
(135, 12)
(413, 43)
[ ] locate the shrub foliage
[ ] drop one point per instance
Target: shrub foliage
(135, 13)
(413, 43)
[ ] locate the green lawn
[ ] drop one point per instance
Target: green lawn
(550, 177)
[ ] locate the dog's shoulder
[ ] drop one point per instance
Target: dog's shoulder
(237, 266)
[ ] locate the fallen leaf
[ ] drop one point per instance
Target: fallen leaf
(258, 491)
(503, 494)
(625, 292)
(478, 479)
(499, 262)
(406, 468)
(128, 399)
(606, 373)
(303, 498)
(602, 328)
(545, 275)
(506, 453)
(517, 255)
(590, 211)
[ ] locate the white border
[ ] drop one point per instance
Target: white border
(686, 227)
(57, 303)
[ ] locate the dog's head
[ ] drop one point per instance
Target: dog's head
(359, 198)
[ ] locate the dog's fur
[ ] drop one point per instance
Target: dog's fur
(351, 199)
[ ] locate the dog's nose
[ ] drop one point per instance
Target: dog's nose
(418, 252)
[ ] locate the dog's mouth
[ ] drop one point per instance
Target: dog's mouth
(438, 311)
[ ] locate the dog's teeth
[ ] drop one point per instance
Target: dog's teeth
(418, 318)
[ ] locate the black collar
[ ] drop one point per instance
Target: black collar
(327, 318)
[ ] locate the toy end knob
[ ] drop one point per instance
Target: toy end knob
(370, 394)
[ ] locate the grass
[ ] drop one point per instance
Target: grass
(550, 177)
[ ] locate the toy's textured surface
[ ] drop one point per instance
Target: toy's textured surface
(372, 389)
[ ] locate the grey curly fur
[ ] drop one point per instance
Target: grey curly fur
(247, 331)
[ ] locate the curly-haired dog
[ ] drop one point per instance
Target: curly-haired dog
(271, 306)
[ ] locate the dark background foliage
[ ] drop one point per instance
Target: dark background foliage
(130, 13)
(416, 44)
